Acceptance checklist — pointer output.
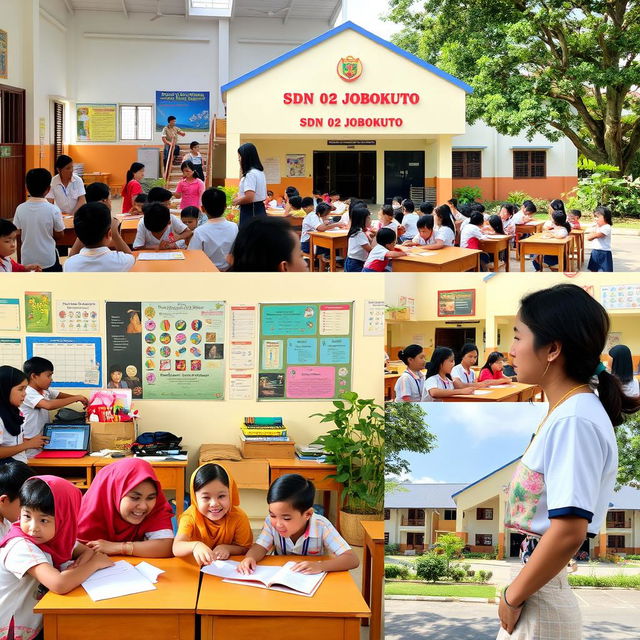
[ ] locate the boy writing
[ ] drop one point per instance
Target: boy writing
(158, 229)
(40, 398)
(8, 245)
(217, 235)
(39, 223)
(97, 231)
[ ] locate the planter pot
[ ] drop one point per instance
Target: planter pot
(350, 528)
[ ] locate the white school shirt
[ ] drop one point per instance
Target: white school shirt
(435, 382)
(66, 198)
(255, 181)
(632, 389)
(7, 440)
(446, 235)
(339, 208)
(5, 525)
(144, 237)
(570, 468)
(410, 223)
(19, 591)
(35, 419)
(356, 246)
(320, 538)
(470, 231)
(509, 226)
(393, 225)
(99, 259)
(559, 232)
(194, 159)
(460, 373)
(518, 217)
(418, 239)
(37, 219)
(376, 259)
(310, 223)
(345, 217)
(604, 244)
(216, 239)
(408, 384)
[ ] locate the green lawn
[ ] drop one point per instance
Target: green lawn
(447, 590)
(587, 220)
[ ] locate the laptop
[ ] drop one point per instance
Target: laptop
(66, 441)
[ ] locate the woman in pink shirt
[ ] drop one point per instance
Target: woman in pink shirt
(132, 188)
(190, 188)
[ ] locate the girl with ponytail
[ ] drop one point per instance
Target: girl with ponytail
(411, 382)
(557, 227)
(132, 186)
(560, 492)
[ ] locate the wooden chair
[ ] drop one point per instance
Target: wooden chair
(527, 394)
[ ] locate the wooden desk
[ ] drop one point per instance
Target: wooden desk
(90, 178)
(579, 236)
(166, 612)
(238, 612)
(506, 393)
(78, 471)
(540, 246)
(495, 245)
(170, 474)
(390, 380)
(334, 241)
(438, 261)
(195, 260)
(527, 228)
(317, 472)
(373, 574)
(294, 221)
(128, 230)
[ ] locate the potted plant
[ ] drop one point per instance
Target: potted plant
(396, 313)
(355, 445)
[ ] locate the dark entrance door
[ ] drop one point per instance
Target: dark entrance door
(350, 173)
(455, 338)
(402, 170)
(12, 149)
(514, 545)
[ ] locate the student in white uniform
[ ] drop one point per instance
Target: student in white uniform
(359, 246)
(562, 487)
(446, 230)
(599, 235)
(622, 368)
(159, 229)
(438, 383)
(409, 220)
(410, 383)
(463, 372)
(559, 229)
(13, 475)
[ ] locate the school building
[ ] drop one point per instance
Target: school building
(449, 310)
(369, 120)
(418, 513)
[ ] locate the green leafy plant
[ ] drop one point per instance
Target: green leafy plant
(149, 183)
(457, 574)
(396, 571)
(355, 445)
(392, 549)
(431, 567)
(450, 545)
(467, 195)
(230, 192)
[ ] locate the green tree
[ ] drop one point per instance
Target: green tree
(405, 430)
(628, 435)
(451, 546)
(554, 67)
(431, 566)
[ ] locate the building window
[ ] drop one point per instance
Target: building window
(529, 164)
(484, 540)
(484, 514)
(136, 122)
(449, 514)
(386, 537)
(615, 520)
(415, 518)
(387, 514)
(415, 540)
(615, 542)
(466, 164)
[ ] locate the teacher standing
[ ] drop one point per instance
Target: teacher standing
(67, 189)
(253, 184)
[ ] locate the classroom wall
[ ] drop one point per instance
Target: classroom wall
(218, 422)
(15, 22)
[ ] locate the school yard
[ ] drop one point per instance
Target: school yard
(607, 615)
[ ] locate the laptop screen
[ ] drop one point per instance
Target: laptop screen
(67, 438)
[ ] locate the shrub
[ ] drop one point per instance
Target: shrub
(633, 557)
(480, 556)
(396, 571)
(431, 567)
(471, 572)
(482, 575)
(457, 574)
(466, 195)
(627, 582)
(489, 575)
(392, 549)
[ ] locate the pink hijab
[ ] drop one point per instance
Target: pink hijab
(66, 499)
(100, 511)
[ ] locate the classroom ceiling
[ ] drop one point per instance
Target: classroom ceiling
(271, 9)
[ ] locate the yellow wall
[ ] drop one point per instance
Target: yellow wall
(209, 421)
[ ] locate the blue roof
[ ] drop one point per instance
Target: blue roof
(432, 495)
(333, 32)
(627, 498)
(473, 484)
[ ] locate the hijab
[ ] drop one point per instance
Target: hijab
(11, 417)
(100, 511)
(66, 500)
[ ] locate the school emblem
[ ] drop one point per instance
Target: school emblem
(350, 68)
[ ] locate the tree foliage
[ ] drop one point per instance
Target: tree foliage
(539, 66)
(628, 435)
(405, 430)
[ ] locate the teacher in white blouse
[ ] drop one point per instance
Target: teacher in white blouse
(252, 190)
(67, 189)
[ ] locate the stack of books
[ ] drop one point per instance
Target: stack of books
(263, 430)
(312, 452)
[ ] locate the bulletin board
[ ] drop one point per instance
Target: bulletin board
(621, 296)
(305, 351)
(77, 361)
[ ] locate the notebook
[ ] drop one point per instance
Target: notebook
(169, 255)
(122, 579)
(65, 441)
(274, 578)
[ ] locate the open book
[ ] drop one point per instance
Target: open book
(276, 578)
(169, 255)
(122, 579)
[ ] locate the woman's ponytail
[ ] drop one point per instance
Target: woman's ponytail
(614, 400)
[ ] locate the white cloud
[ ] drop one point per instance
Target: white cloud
(409, 477)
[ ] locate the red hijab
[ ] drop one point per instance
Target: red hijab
(66, 500)
(100, 511)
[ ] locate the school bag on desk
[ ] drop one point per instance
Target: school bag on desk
(70, 416)
(157, 443)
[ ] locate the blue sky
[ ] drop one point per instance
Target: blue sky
(366, 13)
(474, 439)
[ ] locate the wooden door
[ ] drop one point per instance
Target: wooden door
(12, 149)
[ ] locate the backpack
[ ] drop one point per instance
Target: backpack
(154, 442)
(70, 416)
